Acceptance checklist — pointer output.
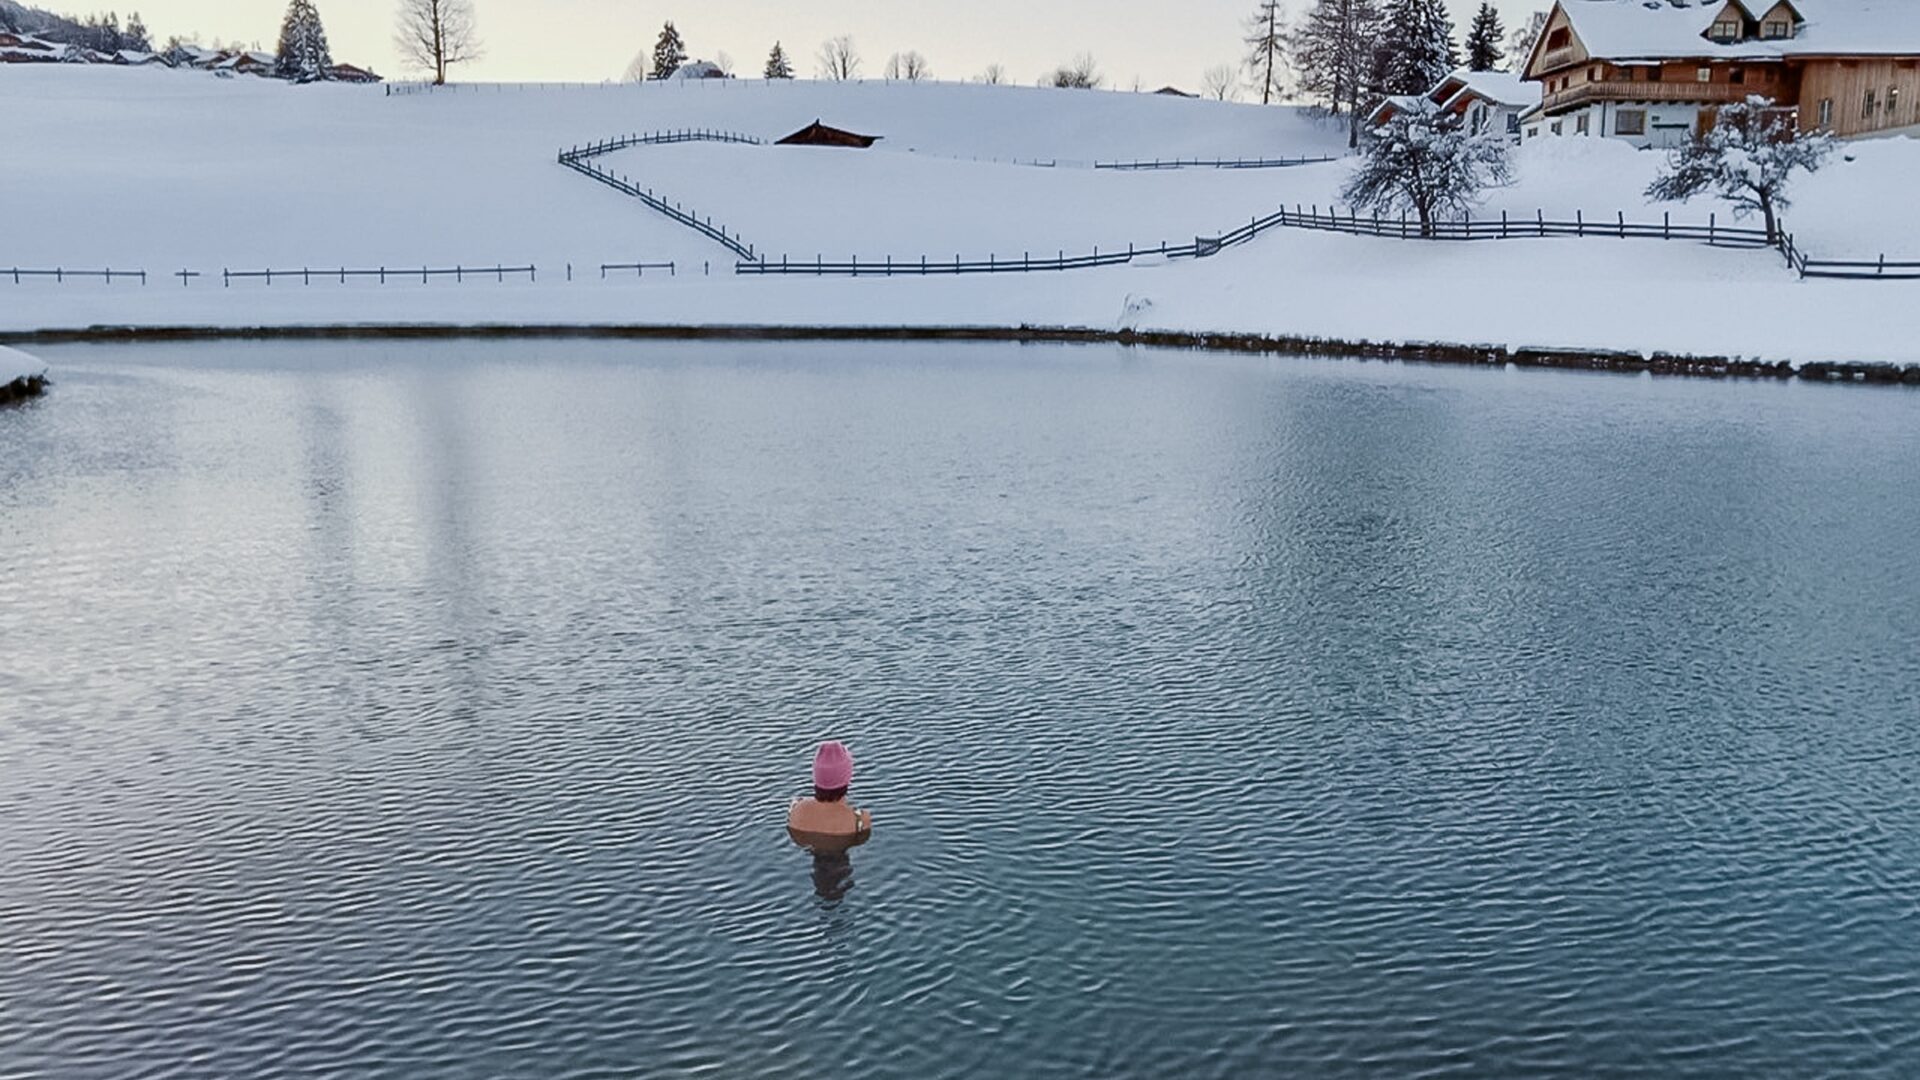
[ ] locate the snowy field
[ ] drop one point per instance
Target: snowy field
(166, 170)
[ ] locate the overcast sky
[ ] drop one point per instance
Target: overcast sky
(1159, 41)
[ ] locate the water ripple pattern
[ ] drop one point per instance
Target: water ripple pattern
(432, 709)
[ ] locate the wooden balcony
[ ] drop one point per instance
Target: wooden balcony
(1713, 93)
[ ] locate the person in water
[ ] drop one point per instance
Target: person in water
(828, 814)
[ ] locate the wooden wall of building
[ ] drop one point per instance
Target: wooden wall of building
(1893, 84)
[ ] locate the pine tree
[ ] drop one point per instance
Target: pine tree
(778, 66)
(1336, 51)
(1418, 46)
(136, 34)
(1266, 45)
(303, 55)
(669, 53)
(1483, 40)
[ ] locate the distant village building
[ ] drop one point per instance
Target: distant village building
(27, 49)
(1653, 72)
(1174, 91)
(819, 134)
(700, 69)
(1486, 101)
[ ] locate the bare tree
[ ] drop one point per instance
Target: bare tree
(1218, 83)
(638, 67)
(1082, 74)
(908, 66)
(434, 35)
(995, 75)
(1520, 45)
(1267, 50)
(839, 60)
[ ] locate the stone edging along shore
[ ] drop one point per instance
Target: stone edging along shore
(1421, 352)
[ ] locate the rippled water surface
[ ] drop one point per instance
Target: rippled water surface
(433, 710)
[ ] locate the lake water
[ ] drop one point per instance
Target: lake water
(424, 710)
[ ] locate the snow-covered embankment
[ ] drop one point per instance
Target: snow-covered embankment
(21, 376)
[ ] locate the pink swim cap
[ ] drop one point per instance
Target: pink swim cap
(832, 767)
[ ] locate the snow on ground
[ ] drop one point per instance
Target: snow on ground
(163, 170)
(15, 364)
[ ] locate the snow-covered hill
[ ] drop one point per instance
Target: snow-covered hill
(165, 170)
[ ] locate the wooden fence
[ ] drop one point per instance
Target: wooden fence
(60, 275)
(580, 159)
(1211, 163)
(383, 274)
(1881, 269)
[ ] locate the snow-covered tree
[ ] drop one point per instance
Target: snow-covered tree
(1082, 74)
(1484, 37)
(434, 35)
(1335, 50)
(302, 55)
(1520, 46)
(135, 36)
(669, 52)
(1424, 161)
(1418, 45)
(838, 60)
(1747, 157)
(1218, 82)
(908, 66)
(778, 66)
(1267, 50)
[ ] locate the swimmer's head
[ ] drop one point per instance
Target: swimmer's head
(832, 772)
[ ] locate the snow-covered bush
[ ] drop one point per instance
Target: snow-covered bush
(1424, 161)
(1747, 157)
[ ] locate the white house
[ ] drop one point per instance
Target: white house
(1486, 101)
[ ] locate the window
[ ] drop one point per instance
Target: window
(1559, 39)
(1893, 101)
(1593, 73)
(1777, 28)
(1653, 73)
(1581, 125)
(1703, 75)
(1724, 31)
(1737, 76)
(1866, 109)
(1513, 124)
(1630, 122)
(1559, 127)
(1826, 112)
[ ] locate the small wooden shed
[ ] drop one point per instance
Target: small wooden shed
(819, 134)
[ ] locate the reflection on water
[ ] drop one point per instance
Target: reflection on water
(402, 710)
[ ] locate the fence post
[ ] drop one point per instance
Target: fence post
(1621, 216)
(1540, 216)
(569, 271)
(1579, 223)
(1503, 224)
(383, 275)
(1666, 225)
(1712, 224)
(226, 279)
(1882, 270)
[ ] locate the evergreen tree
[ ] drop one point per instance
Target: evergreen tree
(1418, 46)
(669, 53)
(1483, 40)
(778, 66)
(303, 55)
(1266, 45)
(135, 37)
(1336, 52)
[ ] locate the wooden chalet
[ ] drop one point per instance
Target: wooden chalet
(1653, 72)
(819, 134)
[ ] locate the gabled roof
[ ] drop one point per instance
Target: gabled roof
(1677, 29)
(1499, 87)
(819, 134)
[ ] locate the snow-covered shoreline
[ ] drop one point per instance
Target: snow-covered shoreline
(21, 375)
(484, 187)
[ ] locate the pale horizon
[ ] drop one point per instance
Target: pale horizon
(1156, 42)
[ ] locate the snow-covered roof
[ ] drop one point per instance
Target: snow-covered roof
(1676, 29)
(1499, 87)
(700, 69)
